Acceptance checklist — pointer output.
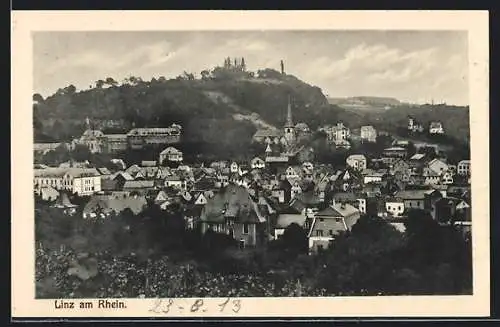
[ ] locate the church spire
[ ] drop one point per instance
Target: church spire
(289, 121)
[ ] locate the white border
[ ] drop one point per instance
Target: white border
(475, 22)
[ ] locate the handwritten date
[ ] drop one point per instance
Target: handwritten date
(166, 306)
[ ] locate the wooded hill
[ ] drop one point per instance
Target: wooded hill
(211, 108)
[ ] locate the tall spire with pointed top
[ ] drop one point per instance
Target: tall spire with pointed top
(289, 121)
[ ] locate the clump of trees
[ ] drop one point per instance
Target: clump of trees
(152, 253)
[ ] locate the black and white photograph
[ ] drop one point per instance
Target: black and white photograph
(251, 164)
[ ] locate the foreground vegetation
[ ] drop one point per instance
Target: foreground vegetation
(151, 254)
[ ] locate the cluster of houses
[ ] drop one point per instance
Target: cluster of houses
(256, 201)
(135, 139)
(435, 127)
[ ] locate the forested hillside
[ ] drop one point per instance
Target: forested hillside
(207, 106)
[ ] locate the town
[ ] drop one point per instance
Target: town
(257, 200)
(144, 209)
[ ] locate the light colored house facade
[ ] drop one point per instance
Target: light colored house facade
(327, 223)
(395, 207)
(436, 127)
(170, 154)
(463, 168)
(368, 134)
(82, 181)
(357, 161)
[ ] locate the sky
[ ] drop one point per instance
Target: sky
(412, 66)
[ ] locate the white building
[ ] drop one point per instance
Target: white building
(356, 161)
(82, 181)
(338, 134)
(170, 154)
(368, 133)
(436, 127)
(463, 168)
(395, 207)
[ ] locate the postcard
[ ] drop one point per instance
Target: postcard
(236, 164)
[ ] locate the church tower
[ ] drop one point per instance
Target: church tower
(289, 127)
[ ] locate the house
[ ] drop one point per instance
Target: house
(438, 166)
(328, 223)
(414, 125)
(101, 206)
(232, 211)
(286, 218)
(170, 154)
(395, 207)
(161, 197)
(234, 167)
(93, 140)
(148, 163)
(257, 163)
(282, 191)
(447, 178)
(463, 168)
(356, 161)
(47, 193)
(175, 181)
(418, 199)
(139, 138)
(436, 127)
(295, 190)
(368, 134)
(82, 181)
(361, 204)
(431, 177)
(338, 135)
(140, 186)
(200, 199)
(308, 166)
(292, 172)
(394, 153)
(115, 143)
(372, 176)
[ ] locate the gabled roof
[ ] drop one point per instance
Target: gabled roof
(139, 184)
(108, 203)
(233, 202)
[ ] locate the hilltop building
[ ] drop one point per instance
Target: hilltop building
(436, 127)
(414, 125)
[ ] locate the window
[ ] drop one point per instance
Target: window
(399, 208)
(245, 228)
(330, 232)
(418, 203)
(319, 233)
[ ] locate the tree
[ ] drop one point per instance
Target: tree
(294, 240)
(99, 84)
(70, 89)
(37, 97)
(81, 153)
(110, 81)
(205, 75)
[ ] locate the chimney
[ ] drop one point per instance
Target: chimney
(282, 67)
